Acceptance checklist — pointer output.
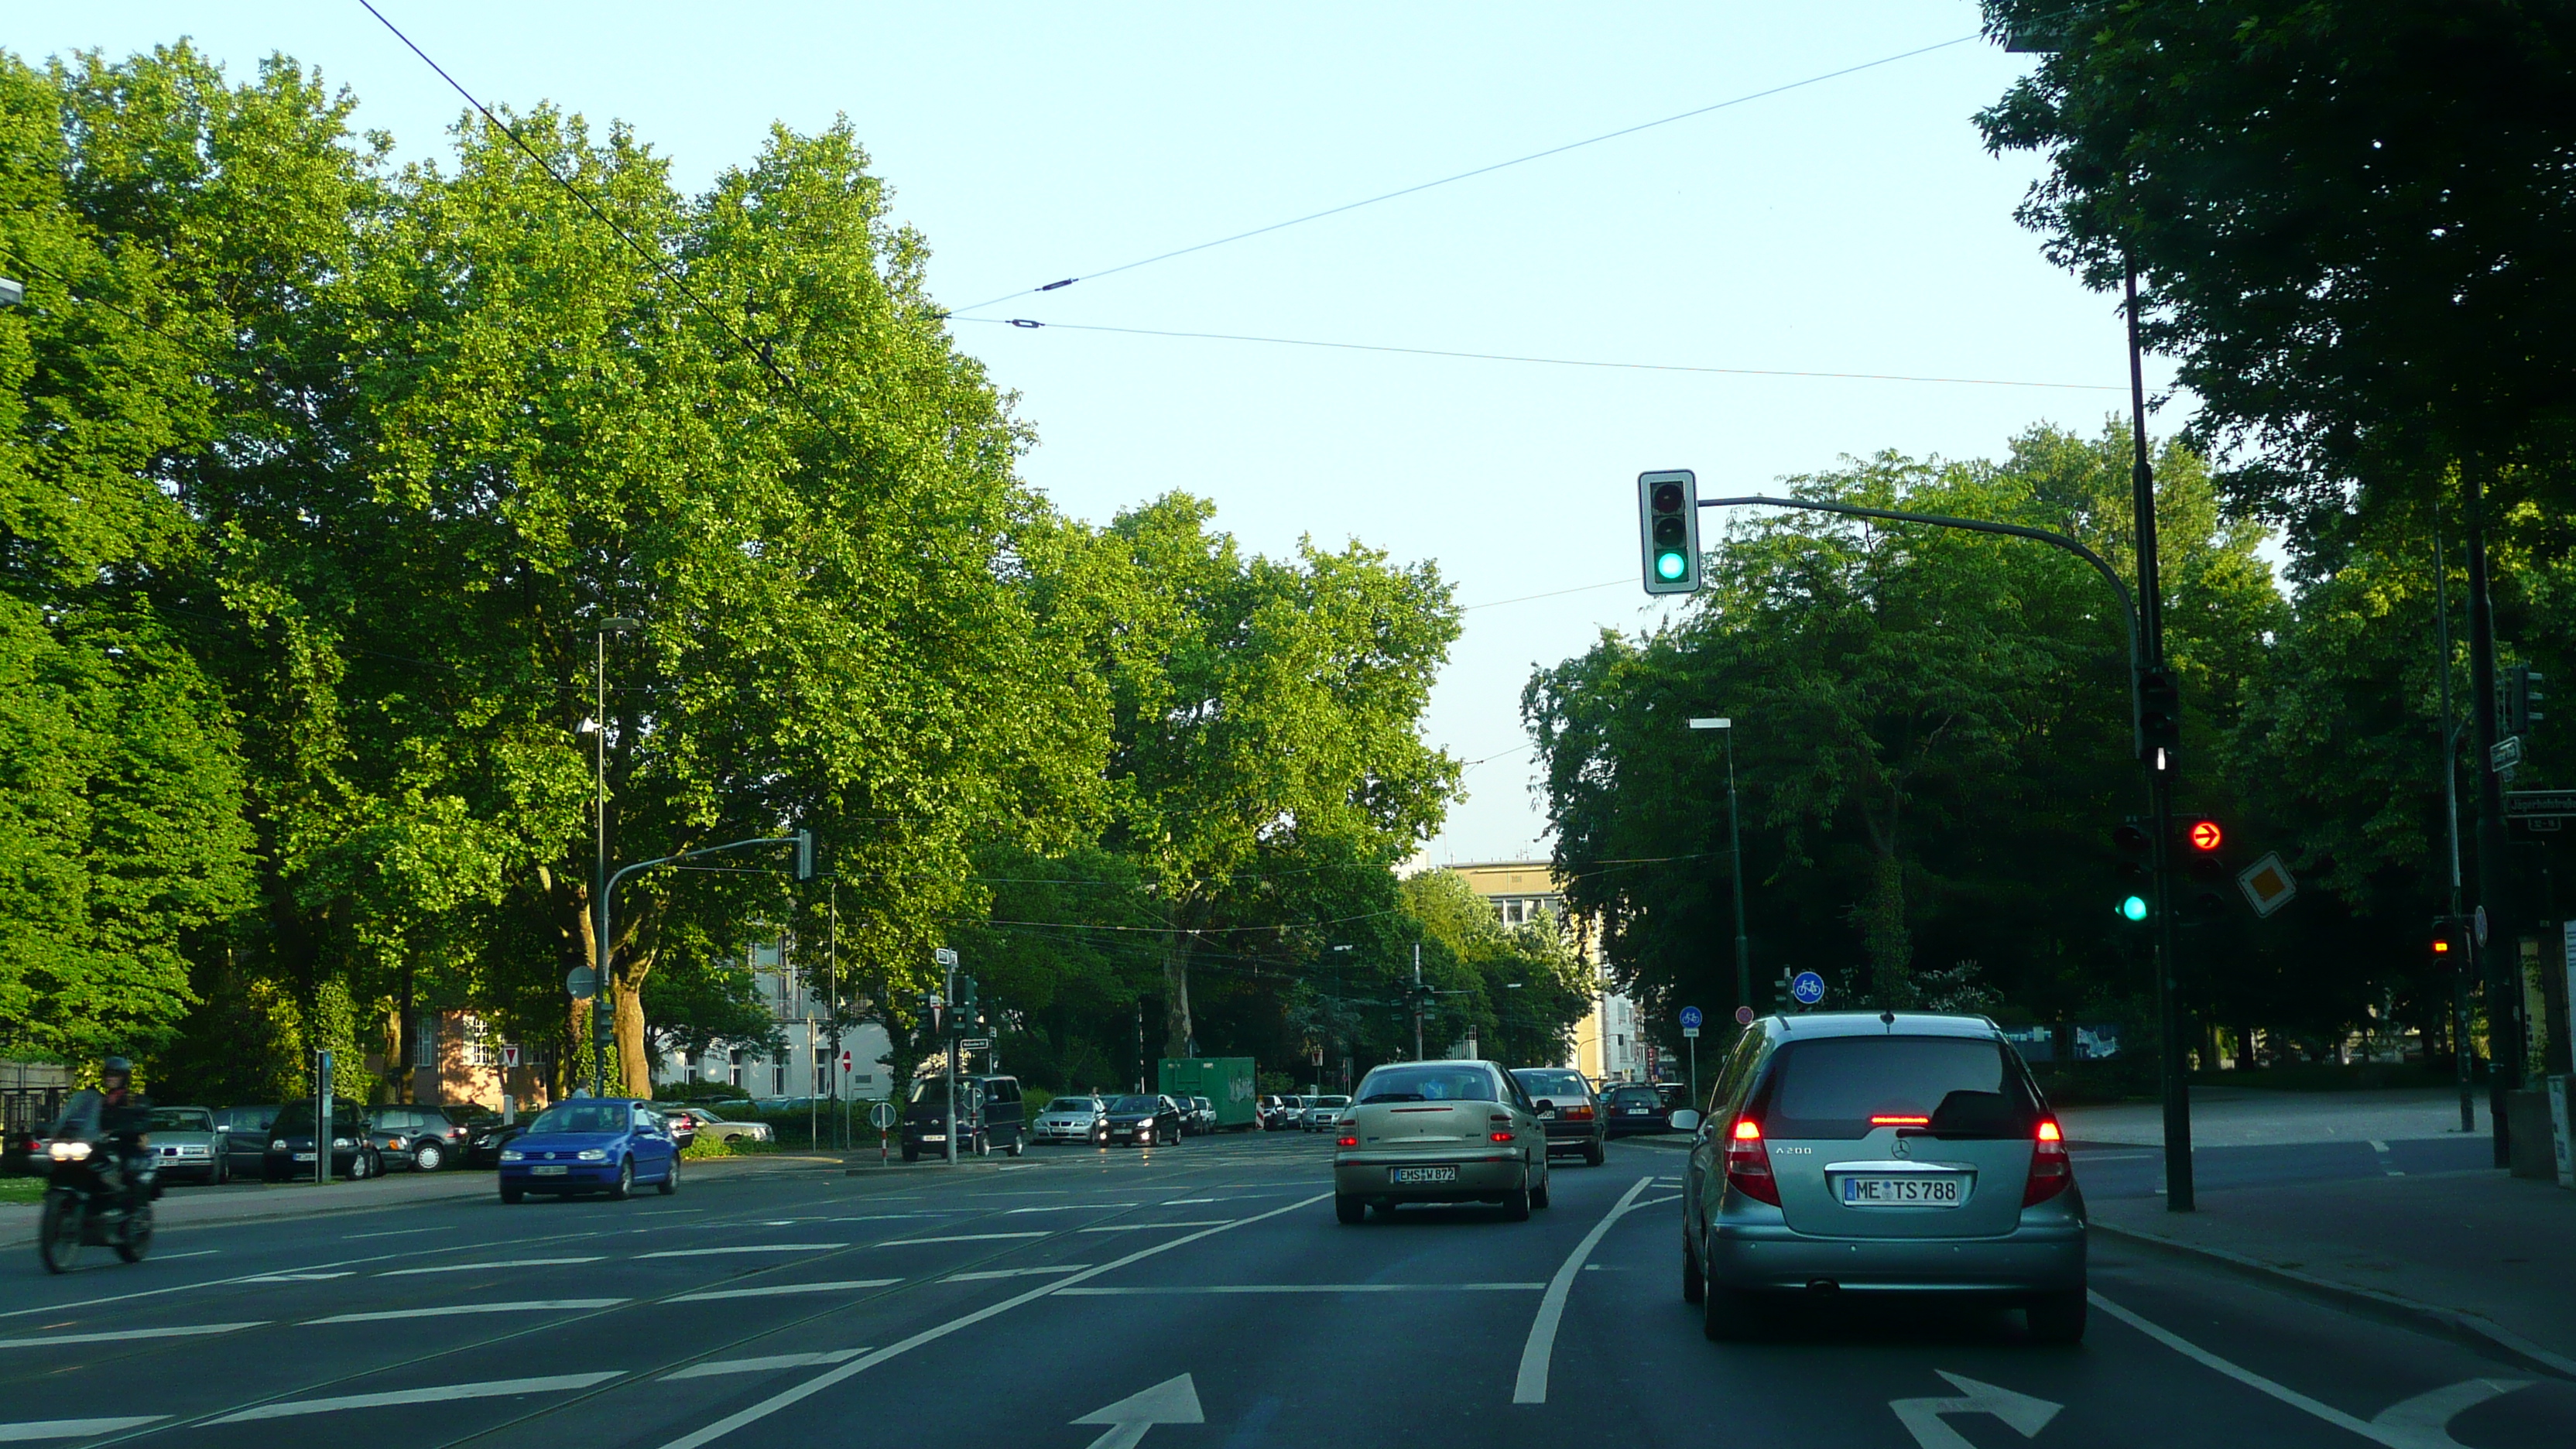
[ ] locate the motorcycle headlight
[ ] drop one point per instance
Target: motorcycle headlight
(67, 1151)
(339, 1141)
(511, 1154)
(278, 1146)
(591, 1154)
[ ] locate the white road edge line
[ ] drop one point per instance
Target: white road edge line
(494, 1389)
(781, 1289)
(188, 1332)
(540, 1305)
(1531, 1386)
(2395, 1429)
(817, 1384)
(35, 1429)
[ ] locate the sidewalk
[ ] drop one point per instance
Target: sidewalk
(2477, 1252)
(2253, 1117)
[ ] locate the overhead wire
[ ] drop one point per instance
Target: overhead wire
(1463, 175)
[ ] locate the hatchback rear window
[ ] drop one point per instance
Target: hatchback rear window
(1551, 1083)
(1848, 1086)
(1428, 1083)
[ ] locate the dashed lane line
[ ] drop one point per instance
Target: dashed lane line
(32, 1430)
(437, 1394)
(121, 1335)
(1149, 1227)
(1164, 1290)
(453, 1310)
(956, 1238)
(762, 1365)
(752, 1248)
(989, 1274)
(473, 1267)
(782, 1290)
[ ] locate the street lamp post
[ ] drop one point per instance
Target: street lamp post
(1735, 854)
(603, 1025)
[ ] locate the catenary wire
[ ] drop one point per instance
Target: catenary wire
(1464, 175)
(1544, 361)
(658, 263)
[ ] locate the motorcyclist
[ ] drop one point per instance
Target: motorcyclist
(112, 1114)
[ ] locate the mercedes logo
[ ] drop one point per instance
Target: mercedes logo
(1902, 1150)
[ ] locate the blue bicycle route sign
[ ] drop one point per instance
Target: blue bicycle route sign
(1690, 1017)
(1809, 988)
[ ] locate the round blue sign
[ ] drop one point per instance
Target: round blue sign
(1690, 1017)
(1809, 988)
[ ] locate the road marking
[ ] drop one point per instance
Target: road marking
(1173, 1401)
(991, 1273)
(2382, 1149)
(539, 1305)
(492, 1389)
(1141, 1292)
(1650, 1202)
(199, 1253)
(781, 1290)
(817, 1384)
(1148, 1227)
(397, 1233)
(762, 1365)
(756, 1248)
(1187, 1201)
(1531, 1386)
(173, 1288)
(1922, 1417)
(299, 1277)
(34, 1429)
(1076, 1207)
(472, 1267)
(959, 1238)
(189, 1332)
(2415, 1423)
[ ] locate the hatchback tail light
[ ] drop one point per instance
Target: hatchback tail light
(1350, 1138)
(1748, 1163)
(2051, 1170)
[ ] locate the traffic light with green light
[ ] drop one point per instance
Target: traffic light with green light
(2132, 871)
(1668, 530)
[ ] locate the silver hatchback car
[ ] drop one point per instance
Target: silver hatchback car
(1888, 1153)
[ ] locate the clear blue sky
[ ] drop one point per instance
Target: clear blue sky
(1850, 226)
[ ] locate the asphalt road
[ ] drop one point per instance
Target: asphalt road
(1193, 1295)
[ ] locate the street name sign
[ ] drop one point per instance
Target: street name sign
(2506, 755)
(975, 1044)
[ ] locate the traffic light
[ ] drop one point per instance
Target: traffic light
(2446, 934)
(2133, 871)
(2519, 707)
(804, 855)
(2198, 840)
(2159, 722)
(970, 1013)
(1668, 530)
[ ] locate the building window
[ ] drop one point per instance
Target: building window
(733, 1068)
(479, 1051)
(777, 1081)
(424, 1039)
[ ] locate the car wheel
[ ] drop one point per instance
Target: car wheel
(511, 1195)
(671, 1179)
(1538, 1194)
(429, 1157)
(1516, 1205)
(1726, 1315)
(223, 1173)
(911, 1153)
(1016, 1147)
(625, 1185)
(1694, 1287)
(1594, 1154)
(983, 1145)
(1350, 1211)
(2057, 1317)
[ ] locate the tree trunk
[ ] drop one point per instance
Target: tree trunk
(632, 1064)
(1881, 914)
(406, 1023)
(1178, 1035)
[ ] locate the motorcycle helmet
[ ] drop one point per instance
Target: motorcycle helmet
(117, 1067)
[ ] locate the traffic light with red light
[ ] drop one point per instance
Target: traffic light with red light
(2197, 840)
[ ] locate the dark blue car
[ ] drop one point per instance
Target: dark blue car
(606, 1144)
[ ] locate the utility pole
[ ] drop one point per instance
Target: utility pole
(2451, 826)
(2496, 955)
(1735, 853)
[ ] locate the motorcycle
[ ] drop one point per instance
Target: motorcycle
(86, 1204)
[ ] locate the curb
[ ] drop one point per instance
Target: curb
(2476, 1330)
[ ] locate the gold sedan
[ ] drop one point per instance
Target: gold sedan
(1439, 1132)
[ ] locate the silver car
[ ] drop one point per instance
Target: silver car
(1322, 1112)
(719, 1129)
(1439, 1132)
(1860, 1153)
(185, 1143)
(1073, 1119)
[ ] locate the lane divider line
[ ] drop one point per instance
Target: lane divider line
(124, 1334)
(34, 1429)
(1156, 1290)
(1530, 1387)
(762, 1365)
(957, 1238)
(473, 1267)
(817, 1384)
(540, 1305)
(989, 1274)
(780, 1290)
(494, 1389)
(751, 1248)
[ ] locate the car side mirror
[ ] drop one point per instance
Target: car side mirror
(1685, 1120)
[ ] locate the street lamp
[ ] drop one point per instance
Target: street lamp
(13, 293)
(603, 1026)
(1735, 853)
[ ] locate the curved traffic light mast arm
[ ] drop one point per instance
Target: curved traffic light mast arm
(2119, 589)
(802, 840)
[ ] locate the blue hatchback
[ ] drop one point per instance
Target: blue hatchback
(592, 1145)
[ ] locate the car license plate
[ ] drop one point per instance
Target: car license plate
(1411, 1176)
(304, 1157)
(1901, 1192)
(548, 1171)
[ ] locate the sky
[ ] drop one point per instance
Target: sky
(1855, 225)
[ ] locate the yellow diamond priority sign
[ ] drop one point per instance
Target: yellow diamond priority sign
(2267, 884)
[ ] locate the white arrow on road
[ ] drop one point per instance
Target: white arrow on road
(1922, 1417)
(1173, 1401)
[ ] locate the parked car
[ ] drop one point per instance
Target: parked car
(186, 1143)
(1073, 1119)
(706, 1122)
(592, 1144)
(423, 1138)
(1202, 1115)
(1268, 1111)
(1440, 1132)
(1569, 1111)
(246, 1136)
(1632, 1107)
(485, 1140)
(990, 1117)
(292, 1148)
(1880, 1153)
(1322, 1113)
(1144, 1120)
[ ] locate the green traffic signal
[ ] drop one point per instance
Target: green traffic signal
(2134, 908)
(1671, 565)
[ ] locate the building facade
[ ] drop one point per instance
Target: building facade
(810, 1067)
(1606, 1044)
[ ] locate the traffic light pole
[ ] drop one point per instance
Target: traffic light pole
(2495, 955)
(803, 840)
(2451, 824)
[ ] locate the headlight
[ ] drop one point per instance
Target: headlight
(511, 1154)
(339, 1141)
(591, 1154)
(67, 1151)
(278, 1146)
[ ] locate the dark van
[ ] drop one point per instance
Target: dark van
(990, 1117)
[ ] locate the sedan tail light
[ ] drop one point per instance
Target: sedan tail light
(1349, 1138)
(1748, 1163)
(1574, 1114)
(2051, 1170)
